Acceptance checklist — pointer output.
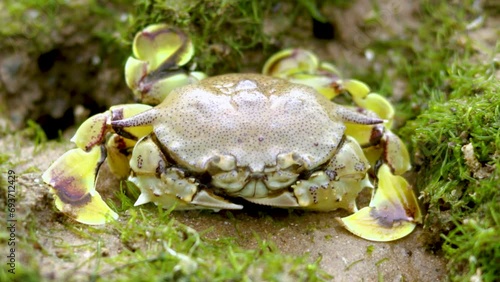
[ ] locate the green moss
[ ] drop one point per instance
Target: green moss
(456, 102)
(22, 273)
(461, 207)
(440, 132)
(37, 134)
(474, 245)
(422, 57)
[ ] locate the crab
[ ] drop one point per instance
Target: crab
(273, 139)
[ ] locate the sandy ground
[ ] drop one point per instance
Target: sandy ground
(343, 255)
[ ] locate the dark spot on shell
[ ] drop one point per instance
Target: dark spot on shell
(331, 174)
(359, 166)
(160, 167)
(120, 142)
(117, 114)
(376, 134)
(139, 161)
(313, 190)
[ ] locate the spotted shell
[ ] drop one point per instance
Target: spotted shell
(252, 117)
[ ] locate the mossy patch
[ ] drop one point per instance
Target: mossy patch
(454, 93)
(461, 205)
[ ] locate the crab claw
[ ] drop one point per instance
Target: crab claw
(72, 180)
(374, 102)
(392, 214)
(396, 154)
(92, 132)
(72, 176)
(303, 67)
(160, 52)
(289, 62)
(161, 45)
(380, 143)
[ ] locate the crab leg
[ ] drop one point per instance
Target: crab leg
(339, 184)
